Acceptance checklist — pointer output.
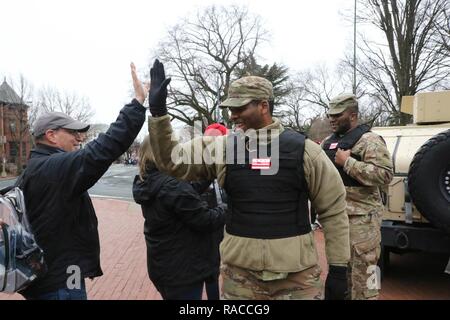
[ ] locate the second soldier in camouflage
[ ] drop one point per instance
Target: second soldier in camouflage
(365, 165)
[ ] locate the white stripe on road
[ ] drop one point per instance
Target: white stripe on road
(110, 197)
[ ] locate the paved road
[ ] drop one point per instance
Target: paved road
(115, 184)
(6, 182)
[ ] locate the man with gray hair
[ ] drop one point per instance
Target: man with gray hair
(365, 165)
(59, 209)
(268, 250)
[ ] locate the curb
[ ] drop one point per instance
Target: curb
(111, 198)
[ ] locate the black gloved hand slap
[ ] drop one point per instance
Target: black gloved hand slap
(158, 90)
(336, 287)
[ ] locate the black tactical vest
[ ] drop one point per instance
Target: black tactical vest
(346, 142)
(268, 206)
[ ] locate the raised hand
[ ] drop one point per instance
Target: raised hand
(140, 91)
(158, 90)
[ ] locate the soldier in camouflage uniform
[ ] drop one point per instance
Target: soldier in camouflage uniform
(365, 165)
(268, 250)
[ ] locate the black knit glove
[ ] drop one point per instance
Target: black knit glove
(336, 283)
(158, 90)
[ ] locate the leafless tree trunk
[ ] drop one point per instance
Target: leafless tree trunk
(201, 56)
(410, 59)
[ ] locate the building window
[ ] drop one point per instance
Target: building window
(13, 149)
(12, 126)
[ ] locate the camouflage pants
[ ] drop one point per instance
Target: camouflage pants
(239, 284)
(365, 239)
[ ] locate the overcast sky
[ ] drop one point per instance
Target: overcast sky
(86, 46)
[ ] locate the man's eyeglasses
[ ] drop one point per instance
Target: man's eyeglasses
(74, 133)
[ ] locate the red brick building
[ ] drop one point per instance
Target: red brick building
(15, 138)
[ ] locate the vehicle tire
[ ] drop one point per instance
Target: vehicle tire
(429, 180)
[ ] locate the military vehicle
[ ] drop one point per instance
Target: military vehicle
(417, 215)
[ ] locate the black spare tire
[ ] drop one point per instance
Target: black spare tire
(429, 180)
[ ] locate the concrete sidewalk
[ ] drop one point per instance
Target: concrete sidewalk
(123, 258)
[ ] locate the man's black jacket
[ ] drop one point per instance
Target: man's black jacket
(177, 229)
(58, 205)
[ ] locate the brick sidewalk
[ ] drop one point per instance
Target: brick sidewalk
(123, 255)
(123, 258)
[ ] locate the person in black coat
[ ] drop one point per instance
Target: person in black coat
(177, 229)
(59, 209)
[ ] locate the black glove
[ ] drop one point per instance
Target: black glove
(336, 283)
(158, 90)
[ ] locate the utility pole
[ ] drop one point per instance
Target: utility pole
(218, 101)
(3, 142)
(354, 51)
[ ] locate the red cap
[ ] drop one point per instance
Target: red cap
(216, 129)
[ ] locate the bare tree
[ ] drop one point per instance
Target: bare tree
(373, 109)
(443, 30)
(410, 59)
(320, 86)
(296, 112)
(201, 55)
(309, 94)
(50, 99)
(307, 104)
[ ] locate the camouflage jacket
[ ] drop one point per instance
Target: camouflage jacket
(326, 191)
(374, 171)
